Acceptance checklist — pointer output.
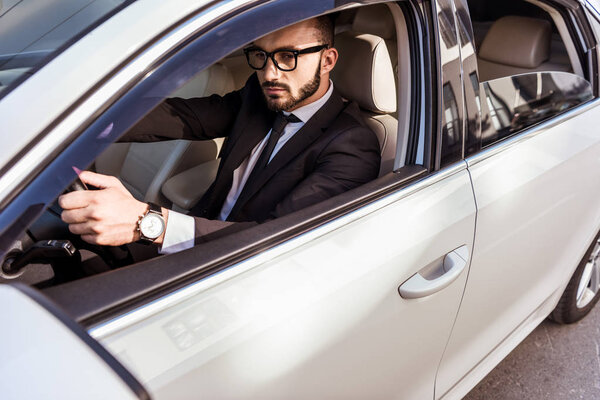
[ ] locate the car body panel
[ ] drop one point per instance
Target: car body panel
(537, 214)
(43, 358)
(312, 317)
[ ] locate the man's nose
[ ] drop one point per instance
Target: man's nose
(271, 71)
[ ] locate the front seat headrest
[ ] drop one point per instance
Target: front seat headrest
(517, 41)
(364, 72)
(376, 20)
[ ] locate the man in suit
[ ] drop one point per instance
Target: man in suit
(291, 142)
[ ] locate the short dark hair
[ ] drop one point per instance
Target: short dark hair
(326, 27)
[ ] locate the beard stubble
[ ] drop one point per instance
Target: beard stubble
(305, 92)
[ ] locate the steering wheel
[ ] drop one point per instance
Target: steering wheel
(114, 257)
(50, 230)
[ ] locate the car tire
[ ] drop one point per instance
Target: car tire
(583, 290)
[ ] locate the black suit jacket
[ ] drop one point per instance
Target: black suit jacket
(332, 153)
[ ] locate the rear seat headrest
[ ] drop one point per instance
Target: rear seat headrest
(376, 20)
(517, 41)
(364, 72)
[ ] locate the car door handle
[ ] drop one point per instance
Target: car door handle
(437, 276)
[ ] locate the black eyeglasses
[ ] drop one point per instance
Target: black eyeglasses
(285, 60)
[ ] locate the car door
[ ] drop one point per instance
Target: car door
(536, 214)
(361, 306)
(358, 302)
(320, 315)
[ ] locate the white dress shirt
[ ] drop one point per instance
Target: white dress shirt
(179, 234)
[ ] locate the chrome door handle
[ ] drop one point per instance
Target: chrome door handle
(446, 271)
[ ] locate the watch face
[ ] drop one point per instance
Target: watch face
(152, 226)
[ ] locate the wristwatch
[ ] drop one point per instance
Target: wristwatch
(151, 225)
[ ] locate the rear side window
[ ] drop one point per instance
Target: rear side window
(529, 66)
(515, 37)
(519, 102)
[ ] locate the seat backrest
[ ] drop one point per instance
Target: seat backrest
(144, 167)
(516, 45)
(238, 68)
(365, 74)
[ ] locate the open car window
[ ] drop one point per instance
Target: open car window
(160, 172)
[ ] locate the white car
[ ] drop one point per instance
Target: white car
(484, 221)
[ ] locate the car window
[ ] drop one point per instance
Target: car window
(519, 102)
(529, 67)
(516, 37)
(33, 32)
(214, 64)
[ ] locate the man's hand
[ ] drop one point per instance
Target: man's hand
(107, 216)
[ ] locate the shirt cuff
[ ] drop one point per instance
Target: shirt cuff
(179, 234)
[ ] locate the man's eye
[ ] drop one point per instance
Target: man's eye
(259, 55)
(287, 56)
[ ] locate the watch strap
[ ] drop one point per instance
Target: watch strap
(154, 208)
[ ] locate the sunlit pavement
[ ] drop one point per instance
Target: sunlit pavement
(554, 362)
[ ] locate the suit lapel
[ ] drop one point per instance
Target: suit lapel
(250, 134)
(251, 126)
(313, 128)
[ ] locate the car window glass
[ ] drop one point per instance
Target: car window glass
(451, 129)
(522, 62)
(518, 102)
(470, 78)
(32, 31)
(514, 37)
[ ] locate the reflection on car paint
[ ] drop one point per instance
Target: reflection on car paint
(519, 102)
(198, 323)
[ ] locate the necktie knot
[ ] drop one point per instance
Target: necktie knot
(281, 120)
(292, 118)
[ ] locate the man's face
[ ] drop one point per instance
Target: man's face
(288, 90)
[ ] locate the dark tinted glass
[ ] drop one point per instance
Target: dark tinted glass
(515, 103)
(470, 79)
(450, 144)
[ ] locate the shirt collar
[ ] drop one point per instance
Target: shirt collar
(305, 113)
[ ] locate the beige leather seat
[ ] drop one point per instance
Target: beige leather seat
(516, 45)
(365, 74)
(144, 167)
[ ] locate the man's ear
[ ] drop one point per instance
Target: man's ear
(330, 57)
